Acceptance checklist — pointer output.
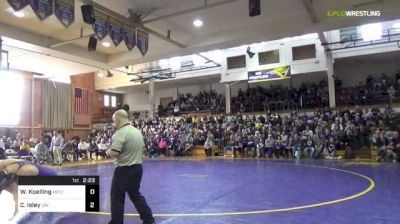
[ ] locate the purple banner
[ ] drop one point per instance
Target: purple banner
(18, 4)
(282, 72)
(65, 11)
(100, 26)
(42, 8)
(115, 30)
(142, 41)
(129, 35)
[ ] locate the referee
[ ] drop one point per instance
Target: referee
(127, 149)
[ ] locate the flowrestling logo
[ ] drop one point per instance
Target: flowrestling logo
(344, 13)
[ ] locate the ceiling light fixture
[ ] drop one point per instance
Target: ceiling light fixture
(198, 23)
(99, 74)
(106, 44)
(18, 14)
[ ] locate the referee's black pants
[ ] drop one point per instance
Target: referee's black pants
(127, 179)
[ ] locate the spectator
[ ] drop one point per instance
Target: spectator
(230, 145)
(208, 146)
(83, 148)
(309, 148)
(380, 142)
(25, 147)
(2, 145)
(42, 153)
(2, 149)
(250, 146)
(318, 145)
(102, 148)
(269, 146)
(93, 149)
(69, 151)
(56, 145)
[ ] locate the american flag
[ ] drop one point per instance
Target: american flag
(81, 100)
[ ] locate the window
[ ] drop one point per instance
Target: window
(113, 101)
(371, 32)
(10, 85)
(106, 100)
(4, 61)
(236, 62)
(268, 57)
(175, 63)
(304, 52)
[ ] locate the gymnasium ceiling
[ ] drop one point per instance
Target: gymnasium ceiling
(226, 25)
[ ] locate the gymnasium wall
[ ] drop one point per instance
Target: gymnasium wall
(137, 100)
(310, 65)
(24, 126)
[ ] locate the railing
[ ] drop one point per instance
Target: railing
(202, 110)
(252, 105)
(359, 96)
(356, 40)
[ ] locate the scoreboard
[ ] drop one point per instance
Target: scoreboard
(58, 193)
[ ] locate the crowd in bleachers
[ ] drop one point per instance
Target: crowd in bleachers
(272, 135)
(372, 91)
(294, 135)
(307, 96)
(209, 101)
(42, 150)
(315, 95)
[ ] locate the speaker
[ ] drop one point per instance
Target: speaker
(92, 43)
(254, 7)
(88, 14)
(250, 53)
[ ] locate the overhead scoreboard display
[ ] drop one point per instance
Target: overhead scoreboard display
(279, 73)
(58, 193)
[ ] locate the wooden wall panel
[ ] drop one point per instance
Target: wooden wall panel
(37, 105)
(98, 102)
(102, 114)
(84, 81)
(24, 127)
(25, 113)
(82, 120)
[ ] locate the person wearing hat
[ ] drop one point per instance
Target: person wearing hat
(127, 149)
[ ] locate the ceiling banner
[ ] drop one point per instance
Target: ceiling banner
(42, 8)
(129, 36)
(18, 4)
(115, 30)
(100, 26)
(65, 11)
(142, 41)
